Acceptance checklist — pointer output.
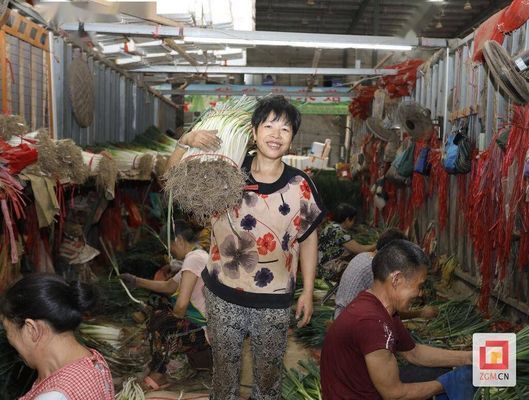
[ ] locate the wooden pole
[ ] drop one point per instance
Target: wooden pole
(3, 67)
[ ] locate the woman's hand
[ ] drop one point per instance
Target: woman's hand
(304, 307)
(129, 280)
(204, 140)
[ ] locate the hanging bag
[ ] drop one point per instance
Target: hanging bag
(457, 155)
(422, 166)
(404, 161)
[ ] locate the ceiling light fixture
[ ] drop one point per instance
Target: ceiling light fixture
(467, 6)
(316, 45)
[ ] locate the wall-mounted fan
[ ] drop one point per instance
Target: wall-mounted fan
(415, 119)
(381, 130)
(507, 71)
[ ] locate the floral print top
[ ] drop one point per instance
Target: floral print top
(330, 242)
(253, 261)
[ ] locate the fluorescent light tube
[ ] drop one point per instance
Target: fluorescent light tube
(320, 45)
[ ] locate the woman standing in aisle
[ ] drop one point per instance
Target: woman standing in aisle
(40, 314)
(251, 273)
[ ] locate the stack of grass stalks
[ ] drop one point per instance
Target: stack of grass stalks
(105, 170)
(454, 326)
(132, 163)
(61, 159)
(160, 145)
(302, 384)
(113, 333)
(122, 349)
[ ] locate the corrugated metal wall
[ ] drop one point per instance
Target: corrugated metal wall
(27, 82)
(122, 109)
(470, 88)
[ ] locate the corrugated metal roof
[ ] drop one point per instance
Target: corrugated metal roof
(359, 17)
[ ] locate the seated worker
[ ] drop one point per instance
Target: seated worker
(358, 359)
(335, 241)
(40, 314)
(358, 276)
(178, 329)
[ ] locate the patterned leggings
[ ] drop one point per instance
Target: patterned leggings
(228, 325)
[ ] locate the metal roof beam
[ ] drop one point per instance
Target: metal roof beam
(246, 38)
(184, 69)
(234, 90)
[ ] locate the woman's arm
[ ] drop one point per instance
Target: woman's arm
(187, 284)
(354, 247)
(308, 258)
(205, 140)
(166, 287)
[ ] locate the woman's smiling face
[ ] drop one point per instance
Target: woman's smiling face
(273, 136)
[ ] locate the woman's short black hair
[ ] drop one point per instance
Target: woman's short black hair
(344, 211)
(188, 230)
(50, 298)
(281, 108)
(398, 255)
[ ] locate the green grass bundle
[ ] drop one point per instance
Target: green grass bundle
(454, 326)
(208, 183)
(365, 234)
(304, 384)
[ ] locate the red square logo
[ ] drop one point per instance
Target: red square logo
(494, 355)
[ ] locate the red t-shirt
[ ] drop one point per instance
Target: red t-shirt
(362, 328)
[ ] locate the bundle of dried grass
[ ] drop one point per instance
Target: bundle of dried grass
(48, 161)
(105, 170)
(160, 165)
(71, 161)
(12, 125)
(145, 166)
(208, 183)
(205, 189)
(107, 175)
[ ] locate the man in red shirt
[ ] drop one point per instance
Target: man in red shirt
(358, 356)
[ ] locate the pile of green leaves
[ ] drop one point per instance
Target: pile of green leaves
(365, 234)
(113, 300)
(457, 321)
(302, 384)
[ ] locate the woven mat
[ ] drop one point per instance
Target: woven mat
(81, 88)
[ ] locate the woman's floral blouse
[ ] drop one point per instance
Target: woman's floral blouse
(254, 262)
